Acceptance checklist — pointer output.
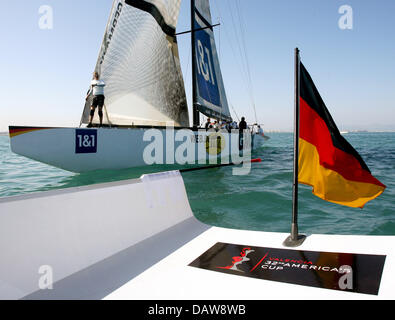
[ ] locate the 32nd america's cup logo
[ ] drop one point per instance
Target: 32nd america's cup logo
(238, 260)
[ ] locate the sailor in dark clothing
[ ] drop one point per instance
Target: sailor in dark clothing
(242, 124)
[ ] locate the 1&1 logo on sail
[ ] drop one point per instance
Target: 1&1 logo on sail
(206, 77)
(85, 141)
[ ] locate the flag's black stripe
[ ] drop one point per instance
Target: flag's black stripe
(310, 94)
(153, 10)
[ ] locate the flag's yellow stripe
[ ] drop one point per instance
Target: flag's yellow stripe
(329, 185)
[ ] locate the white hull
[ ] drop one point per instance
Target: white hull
(135, 239)
(119, 148)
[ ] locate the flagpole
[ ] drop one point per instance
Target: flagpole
(295, 239)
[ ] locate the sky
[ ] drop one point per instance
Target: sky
(45, 73)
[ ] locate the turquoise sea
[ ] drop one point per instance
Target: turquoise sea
(261, 200)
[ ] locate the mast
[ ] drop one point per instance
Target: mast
(195, 112)
(295, 239)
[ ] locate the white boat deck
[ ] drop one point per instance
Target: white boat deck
(172, 278)
(135, 240)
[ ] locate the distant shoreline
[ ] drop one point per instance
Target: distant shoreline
(5, 133)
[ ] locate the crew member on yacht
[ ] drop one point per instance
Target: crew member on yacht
(233, 125)
(208, 124)
(97, 89)
(242, 124)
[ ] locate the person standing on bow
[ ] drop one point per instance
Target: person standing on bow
(97, 89)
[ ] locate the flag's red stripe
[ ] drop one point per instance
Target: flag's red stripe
(314, 130)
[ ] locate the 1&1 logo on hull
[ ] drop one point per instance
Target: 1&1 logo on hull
(85, 141)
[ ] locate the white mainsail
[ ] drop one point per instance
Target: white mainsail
(139, 63)
(210, 90)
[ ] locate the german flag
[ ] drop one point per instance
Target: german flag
(327, 162)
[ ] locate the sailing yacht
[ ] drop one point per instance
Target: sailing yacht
(146, 118)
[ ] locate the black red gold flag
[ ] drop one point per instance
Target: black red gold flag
(327, 162)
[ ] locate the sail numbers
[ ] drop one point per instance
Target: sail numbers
(204, 69)
(206, 61)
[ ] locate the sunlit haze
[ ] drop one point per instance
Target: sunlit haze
(46, 72)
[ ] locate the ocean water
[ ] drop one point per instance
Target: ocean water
(261, 200)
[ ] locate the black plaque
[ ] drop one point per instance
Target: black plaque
(351, 272)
